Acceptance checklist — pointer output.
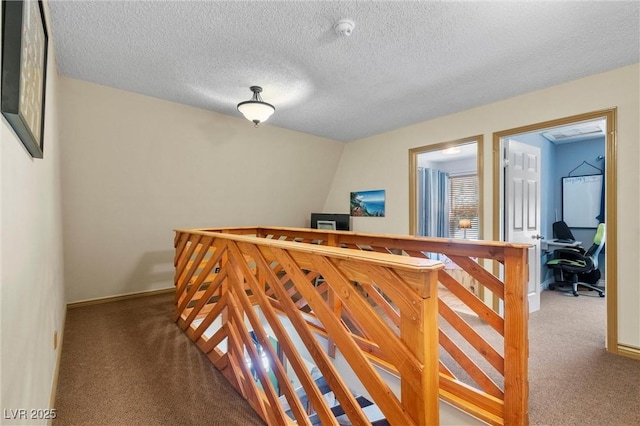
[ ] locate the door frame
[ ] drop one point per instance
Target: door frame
(611, 202)
(413, 176)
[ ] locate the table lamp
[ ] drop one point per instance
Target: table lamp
(464, 224)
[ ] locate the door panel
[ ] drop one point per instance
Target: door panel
(522, 202)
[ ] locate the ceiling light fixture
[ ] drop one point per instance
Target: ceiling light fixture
(255, 109)
(451, 151)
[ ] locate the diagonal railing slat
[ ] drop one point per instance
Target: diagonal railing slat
(252, 282)
(388, 309)
(403, 300)
(207, 345)
(324, 364)
(294, 403)
(471, 336)
(200, 304)
(481, 274)
(476, 373)
(275, 410)
(366, 373)
(201, 249)
(185, 298)
(275, 270)
(472, 301)
(195, 333)
(283, 337)
(192, 244)
(380, 333)
(249, 387)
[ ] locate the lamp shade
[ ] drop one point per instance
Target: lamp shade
(464, 224)
(256, 110)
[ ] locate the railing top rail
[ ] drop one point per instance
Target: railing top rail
(397, 262)
(362, 235)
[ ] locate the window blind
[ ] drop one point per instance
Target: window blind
(463, 199)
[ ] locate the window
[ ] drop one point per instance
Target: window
(463, 201)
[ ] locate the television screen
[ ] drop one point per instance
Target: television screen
(342, 220)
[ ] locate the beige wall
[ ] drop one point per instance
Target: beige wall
(32, 301)
(134, 168)
(381, 162)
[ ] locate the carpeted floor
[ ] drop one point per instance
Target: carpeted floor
(127, 363)
(572, 379)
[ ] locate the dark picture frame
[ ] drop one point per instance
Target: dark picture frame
(24, 71)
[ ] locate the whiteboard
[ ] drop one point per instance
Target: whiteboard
(581, 200)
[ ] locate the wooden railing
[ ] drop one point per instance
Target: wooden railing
(348, 296)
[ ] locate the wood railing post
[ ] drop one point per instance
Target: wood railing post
(516, 340)
(421, 336)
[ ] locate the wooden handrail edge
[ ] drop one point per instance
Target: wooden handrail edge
(401, 262)
(484, 243)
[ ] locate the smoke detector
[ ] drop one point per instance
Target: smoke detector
(344, 27)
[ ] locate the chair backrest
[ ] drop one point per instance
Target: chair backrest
(598, 243)
(561, 231)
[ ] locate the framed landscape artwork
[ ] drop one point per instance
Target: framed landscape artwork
(24, 66)
(367, 203)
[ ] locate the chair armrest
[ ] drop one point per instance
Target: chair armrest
(569, 253)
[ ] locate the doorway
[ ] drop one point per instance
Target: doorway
(462, 161)
(610, 199)
(456, 210)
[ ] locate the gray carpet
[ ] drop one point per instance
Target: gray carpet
(127, 363)
(572, 379)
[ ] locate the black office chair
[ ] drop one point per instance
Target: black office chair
(577, 266)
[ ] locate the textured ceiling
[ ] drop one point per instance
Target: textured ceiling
(405, 62)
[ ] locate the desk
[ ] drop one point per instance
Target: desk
(551, 245)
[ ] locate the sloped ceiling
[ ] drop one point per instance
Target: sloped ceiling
(405, 62)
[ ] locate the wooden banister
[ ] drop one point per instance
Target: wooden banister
(373, 310)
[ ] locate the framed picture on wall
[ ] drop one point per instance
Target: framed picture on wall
(367, 203)
(24, 71)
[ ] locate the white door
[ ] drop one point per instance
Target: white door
(522, 208)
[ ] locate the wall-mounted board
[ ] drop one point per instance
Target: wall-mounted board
(581, 199)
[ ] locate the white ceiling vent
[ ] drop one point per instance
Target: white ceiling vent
(573, 133)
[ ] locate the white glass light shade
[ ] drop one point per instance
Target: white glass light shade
(256, 111)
